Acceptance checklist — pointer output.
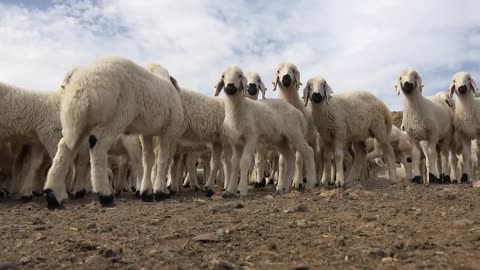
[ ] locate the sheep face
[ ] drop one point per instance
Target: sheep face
(287, 75)
(408, 82)
(233, 80)
(317, 90)
(461, 83)
(254, 84)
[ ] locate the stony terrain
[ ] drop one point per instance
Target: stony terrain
(369, 226)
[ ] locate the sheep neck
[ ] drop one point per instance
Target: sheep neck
(234, 107)
(325, 119)
(292, 97)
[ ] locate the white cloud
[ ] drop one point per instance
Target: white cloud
(353, 44)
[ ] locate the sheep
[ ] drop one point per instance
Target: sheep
(249, 122)
(102, 100)
(203, 119)
(427, 120)
(344, 118)
(254, 84)
(402, 147)
(287, 78)
(466, 116)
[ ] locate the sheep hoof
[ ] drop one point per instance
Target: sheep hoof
(172, 192)
(209, 192)
(229, 195)
(26, 199)
(137, 193)
(146, 197)
(187, 185)
(160, 196)
(134, 190)
(106, 201)
(417, 180)
(447, 180)
(80, 194)
(260, 184)
(118, 193)
(464, 178)
(52, 202)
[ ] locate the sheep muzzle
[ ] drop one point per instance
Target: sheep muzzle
(316, 98)
(286, 80)
(407, 87)
(462, 89)
(252, 89)
(230, 89)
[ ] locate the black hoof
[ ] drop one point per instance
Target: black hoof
(26, 199)
(118, 193)
(304, 180)
(37, 194)
(187, 185)
(464, 178)
(447, 180)
(137, 193)
(106, 201)
(260, 184)
(433, 179)
(52, 202)
(134, 190)
(80, 194)
(160, 196)
(209, 193)
(125, 190)
(146, 197)
(417, 180)
(172, 192)
(169, 187)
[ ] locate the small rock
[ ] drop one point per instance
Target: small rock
(227, 207)
(301, 267)
(370, 218)
(301, 223)
(40, 237)
(217, 197)
(450, 197)
(206, 237)
(387, 259)
(74, 229)
(269, 197)
(408, 188)
(374, 253)
(218, 264)
(39, 228)
(25, 260)
(91, 225)
(463, 222)
(476, 184)
(199, 201)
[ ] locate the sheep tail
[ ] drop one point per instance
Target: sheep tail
(74, 113)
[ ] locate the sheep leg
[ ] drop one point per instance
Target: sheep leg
(467, 161)
(327, 165)
(81, 170)
(416, 163)
(235, 163)
(245, 165)
(430, 151)
(192, 171)
(444, 158)
(298, 176)
(389, 155)
(34, 162)
(407, 165)
(359, 162)
(286, 170)
(260, 160)
(306, 152)
(227, 164)
(163, 160)
(338, 156)
(214, 164)
(146, 192)
(55, 185)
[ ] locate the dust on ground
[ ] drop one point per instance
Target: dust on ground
(374, 225)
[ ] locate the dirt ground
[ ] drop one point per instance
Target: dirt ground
(377, 226)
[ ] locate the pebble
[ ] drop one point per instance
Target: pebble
(408, 188)
(91, 225)
(269, 197)
(199, 201)
(206, 237)
(451, 196)
(218, 264)
(298, 208)
(374, 253)
(39, 228)
(40, 236)
(227, 207)
(301, 267)
(25, 260)
(476, 184)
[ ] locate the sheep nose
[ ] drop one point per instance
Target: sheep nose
(252, 89)
(462, 89)
(316, 98)
(286, 80)
(407, 87)
(230, 89)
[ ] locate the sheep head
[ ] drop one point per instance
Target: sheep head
(232, 80)
(254, 84)
(317, 90)
(287, 74)
(408, 82)
(462, 82)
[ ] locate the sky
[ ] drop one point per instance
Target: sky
(354, 45)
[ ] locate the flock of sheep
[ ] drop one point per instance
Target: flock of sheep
(116, 126)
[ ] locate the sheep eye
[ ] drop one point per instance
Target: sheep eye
(453, 81)
(294, 71)
(278, 71)
(259, 81)
(324, 86)
(223, 76)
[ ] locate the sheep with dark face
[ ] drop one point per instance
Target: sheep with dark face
(350, 117)
(249, 122)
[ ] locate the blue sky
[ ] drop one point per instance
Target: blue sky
(353, 44)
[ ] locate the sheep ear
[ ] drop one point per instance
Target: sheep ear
(175, 83)
(244, 83)
(474, 86)
(420, 83)
(329, 92)
(451, 88)
(297, 79)
(219, 86)
(398, 87)
(262, 89)
(306, 95)
(275, 81)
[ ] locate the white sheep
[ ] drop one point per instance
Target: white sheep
(249, 122)
(287, 78)
(104, 99)
(348, 117)
(427, 120)
(466, 117)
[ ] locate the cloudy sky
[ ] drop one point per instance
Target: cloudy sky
(353, 44)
